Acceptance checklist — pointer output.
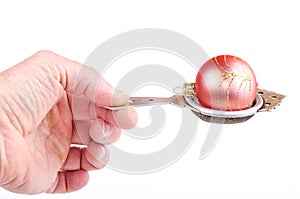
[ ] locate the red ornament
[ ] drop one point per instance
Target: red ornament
(226, 83)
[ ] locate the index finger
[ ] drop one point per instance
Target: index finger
(94, 87)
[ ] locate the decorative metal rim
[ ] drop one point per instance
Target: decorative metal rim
(193, 102)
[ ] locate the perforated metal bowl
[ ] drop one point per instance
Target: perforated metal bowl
(220, 116)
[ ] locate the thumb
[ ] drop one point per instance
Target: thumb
(87, 82)
(80, 80)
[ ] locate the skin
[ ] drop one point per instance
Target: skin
(47, 104)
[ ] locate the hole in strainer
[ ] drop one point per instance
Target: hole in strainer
(273, 97)
(268, 104)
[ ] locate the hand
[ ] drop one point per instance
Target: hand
(48, 103)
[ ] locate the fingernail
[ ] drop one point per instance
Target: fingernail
(98, 151)
(120, 97)
(133, 116)
(102, 153)
(107, 131)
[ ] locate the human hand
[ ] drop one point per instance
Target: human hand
(48, 103)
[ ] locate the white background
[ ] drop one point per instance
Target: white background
(256, 159)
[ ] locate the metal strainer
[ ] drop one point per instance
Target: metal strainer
(265, 101)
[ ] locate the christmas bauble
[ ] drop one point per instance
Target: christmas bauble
(226, 82)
